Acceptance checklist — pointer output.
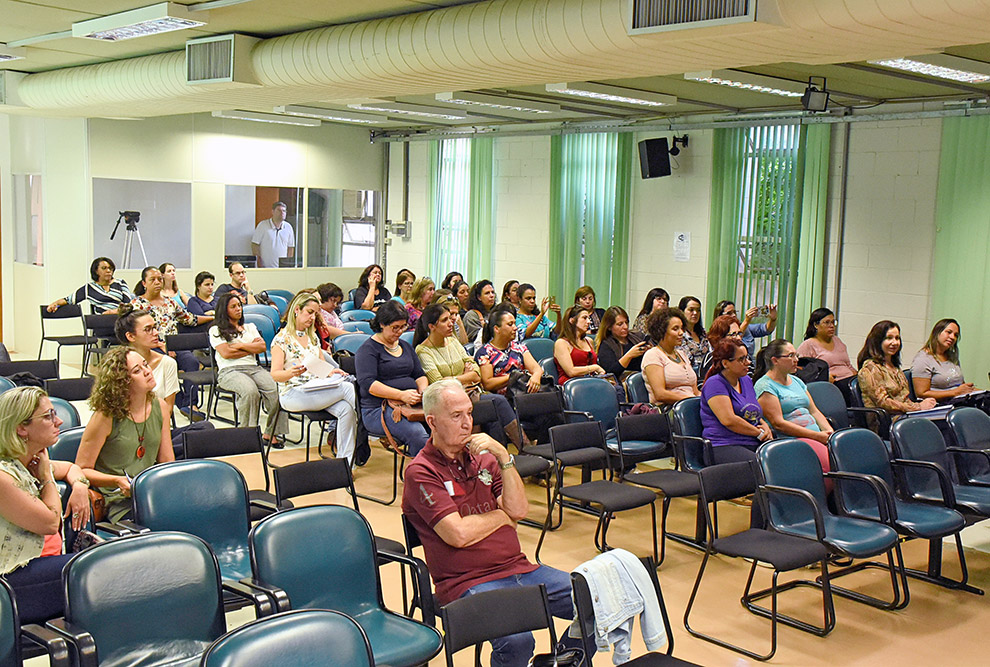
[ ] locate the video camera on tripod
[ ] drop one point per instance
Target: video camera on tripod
(130, 220)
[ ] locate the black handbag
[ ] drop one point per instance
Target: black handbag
(571, 657)
(519, 384)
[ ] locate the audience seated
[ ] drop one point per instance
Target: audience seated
(785, 400)
(442, 356)
(750, 331)
(31, 559)
(389, 372)
(136, 328)
(935, 370)
(722, 326)
(731, 416)
(237, 343)
(532, 322)
(821, 342)
(294, 348)
(501, 354)
(371, 293)
(330, 298)
(462, 292)
(510, 293)
(170, 287)
(203, 302)
(573, 353)
(448, 301)
(128, 432)
(666, 367)
(656, 299)
(619, 350)
(239, 283)
(103, 293)
(585, 297)
(450, 279)
(695, 344)
(881, 381)
(480, 301)
(420, 296)
(404, 281)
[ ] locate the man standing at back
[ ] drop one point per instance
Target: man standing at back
(464, 496)
(273, 238)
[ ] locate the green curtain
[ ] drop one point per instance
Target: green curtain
(481, 228)
(728, 158)
(962, 238)
(433, 198)
(590, 182)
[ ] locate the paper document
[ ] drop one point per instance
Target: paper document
(323, 383)
(317, 366)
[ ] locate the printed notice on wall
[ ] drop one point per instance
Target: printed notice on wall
(682, 246)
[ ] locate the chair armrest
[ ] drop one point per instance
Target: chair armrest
(969, 452)
(585, 416)
(858, 416)
(263, 603)
(424, 586)
(945, 484)
(56, 646)
(82, 642)
(885, 503)
(117, 529)
(706, 450)
(264, 504)
(279, 598)
(133, 526)
(770, 489)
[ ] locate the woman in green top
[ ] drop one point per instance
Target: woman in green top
(443, 356)
(126, 433)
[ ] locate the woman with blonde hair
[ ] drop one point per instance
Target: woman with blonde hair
(420, 296)
(404, 281)
(128, 432)
(31, 559)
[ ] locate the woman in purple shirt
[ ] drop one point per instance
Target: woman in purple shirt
(731, 417)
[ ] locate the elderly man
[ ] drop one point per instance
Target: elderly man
(464, 496)
(273, 238)
(238, 283)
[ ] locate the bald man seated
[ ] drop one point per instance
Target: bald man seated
(464, 496)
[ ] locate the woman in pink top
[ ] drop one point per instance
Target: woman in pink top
(667, 369)
(820, 342)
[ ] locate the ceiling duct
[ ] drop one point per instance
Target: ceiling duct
(648, 16)
(8, 88)
(220, 59)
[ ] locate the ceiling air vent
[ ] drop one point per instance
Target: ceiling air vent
(9, 81)
(220, 59)
(663, 15)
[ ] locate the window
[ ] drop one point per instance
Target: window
(28, 220)
(360, 227)
(453, 207)
(246, 206)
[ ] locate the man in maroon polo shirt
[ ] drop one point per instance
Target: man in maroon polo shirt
(464, 496)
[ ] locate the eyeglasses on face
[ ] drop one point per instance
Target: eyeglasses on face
(49, 415)
(744, 359)
(792, 355)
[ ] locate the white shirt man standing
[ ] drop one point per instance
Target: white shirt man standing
(273, 238)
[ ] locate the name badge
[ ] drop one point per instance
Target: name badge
(449, 485)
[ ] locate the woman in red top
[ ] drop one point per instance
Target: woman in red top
(573, 353)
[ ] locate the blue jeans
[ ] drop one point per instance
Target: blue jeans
(38, 588)
(516, 650)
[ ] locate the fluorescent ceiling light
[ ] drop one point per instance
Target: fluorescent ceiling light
(496, 102)
(328, 114)
(598, 91)
(417, 110)
(747, 81)
(11, 53)
(256, 116)
(150, 20)
(942, 66)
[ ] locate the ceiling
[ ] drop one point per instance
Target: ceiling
(334, 53)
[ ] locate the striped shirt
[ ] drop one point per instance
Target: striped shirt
(102, 300)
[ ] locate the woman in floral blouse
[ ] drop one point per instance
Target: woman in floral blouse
(881, 381)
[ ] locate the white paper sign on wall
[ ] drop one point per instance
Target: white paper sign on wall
(682, 246)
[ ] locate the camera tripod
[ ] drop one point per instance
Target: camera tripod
(131, 231)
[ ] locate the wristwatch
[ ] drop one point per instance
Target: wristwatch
(83, 481)
(511, 463)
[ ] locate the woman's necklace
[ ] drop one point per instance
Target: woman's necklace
(673, 356)
(144, 427)
(300, 334)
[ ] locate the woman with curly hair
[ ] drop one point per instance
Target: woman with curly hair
(127, 433)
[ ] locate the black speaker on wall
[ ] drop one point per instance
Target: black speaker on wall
(654, 158)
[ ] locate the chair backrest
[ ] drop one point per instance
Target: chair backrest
(550, 369)
(284, 293)
(351, 293)
(293, 639)
(920, 439)
(909, 376)
(62, 313)
(724, 481)
(346, 306)
(101, 326)
(357, 326)
(66, 412)
(485, 415)
(67, 445)
(71, 389)
(829, 400)
(10, 627)
(281, 303)
(540, 348)
(685, 420)
(470, 620)
(271, 312)
(636, 389)
(544, 408)
(153, 589)
(349, 342)
(791, 463)
(970, 427)
(302, 479)
(357, 314)
(264, 325)
(219, 442)
(859, 450)
(344, 576)
(470, 348)
(43, 369)
(410, 534)
(6, 384)
(202, 497)
(580, 435)
(595, 396)
(855, 394)
(648, 426)
(187, 341)
(408, 336)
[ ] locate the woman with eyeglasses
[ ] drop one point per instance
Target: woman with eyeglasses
(389, 373)
(722, 327)
(31, 516)
(731, 416)
(820, 342)
(656, 299)
(128, 432)
(404, 281)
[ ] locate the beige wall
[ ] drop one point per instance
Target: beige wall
(205, 151)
